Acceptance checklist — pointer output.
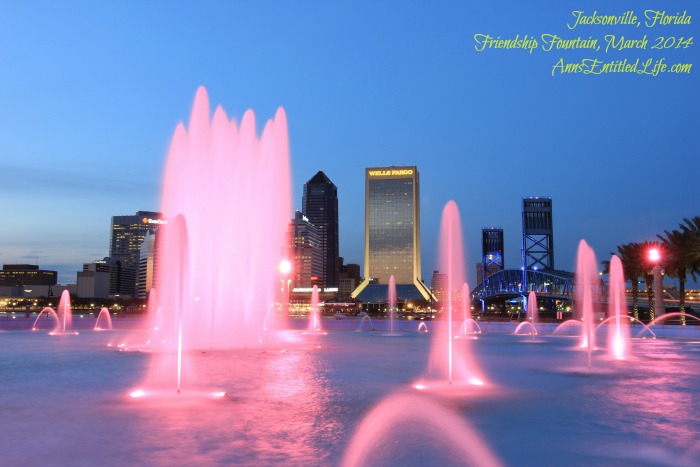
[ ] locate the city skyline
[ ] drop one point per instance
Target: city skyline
(89, 109)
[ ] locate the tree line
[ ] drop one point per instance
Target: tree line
(679, 257)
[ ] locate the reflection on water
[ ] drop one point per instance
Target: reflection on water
(657, 398)
(276, 410)
(66, 399)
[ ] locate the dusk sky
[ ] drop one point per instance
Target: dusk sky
(91, 92)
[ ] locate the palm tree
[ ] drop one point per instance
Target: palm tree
(631, 255)
(692, 228)
(680, 259)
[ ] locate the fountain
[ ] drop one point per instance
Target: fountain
(391, 304)
(63, 319)
(390, 433)
(450, 366)
(49, 312)
(217, 273)
(619, 336)
(314, 315)
(305, 406)
(532, 313)
(586, 279)
(366, 319)
(106, 318)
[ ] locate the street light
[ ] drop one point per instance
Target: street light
(654, 257)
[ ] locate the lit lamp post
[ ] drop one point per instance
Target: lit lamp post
(285, 269)
(657, 309)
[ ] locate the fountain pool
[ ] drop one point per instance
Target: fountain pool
(65, 400)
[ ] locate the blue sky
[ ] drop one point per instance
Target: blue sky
(90, 93)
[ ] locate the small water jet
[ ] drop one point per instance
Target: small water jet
(665, 316)
(532, 316)
(569, 323)
(315, 326)
(422, 327)
(106, 320)
(50, 312)
(366, 319)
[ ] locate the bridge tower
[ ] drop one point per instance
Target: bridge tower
(491, 252)
(538, 236)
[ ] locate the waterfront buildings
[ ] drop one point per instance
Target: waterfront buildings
(392, 235)
(26, 280)
(305, 253)
(320, 206)
(126, 236)
(93, 280)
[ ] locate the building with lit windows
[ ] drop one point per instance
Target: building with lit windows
(392, 235)
(93, 280)
(146, 277)
(305, 253)
(127, 235)
(320, 206)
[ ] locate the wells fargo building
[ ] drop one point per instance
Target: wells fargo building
(392, 234)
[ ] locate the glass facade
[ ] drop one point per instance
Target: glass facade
(127, 235)
(320, 206)
(391, 229)
(392, 234)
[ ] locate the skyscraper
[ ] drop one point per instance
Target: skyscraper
(392, 234)
(127, 235)
(320, 206)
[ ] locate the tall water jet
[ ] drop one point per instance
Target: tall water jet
(618, 338)
(217, 274)
(447, 364)
(532, 309)
(391, 304)
(586, 279)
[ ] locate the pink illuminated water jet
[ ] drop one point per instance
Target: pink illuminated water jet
(618, 336)
(451, 364)
(226, 201)
(404, 421)
(532, 315)
(391, 305)
(49, 312)
(104, 320)
(314, 315)
(586, 279)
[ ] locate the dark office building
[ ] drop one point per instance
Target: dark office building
(127, 235)
(18, 275)
(320, 206)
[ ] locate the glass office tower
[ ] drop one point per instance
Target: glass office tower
(392, 234)
(320, 206)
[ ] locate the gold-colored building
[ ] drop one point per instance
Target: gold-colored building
(392, 234)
